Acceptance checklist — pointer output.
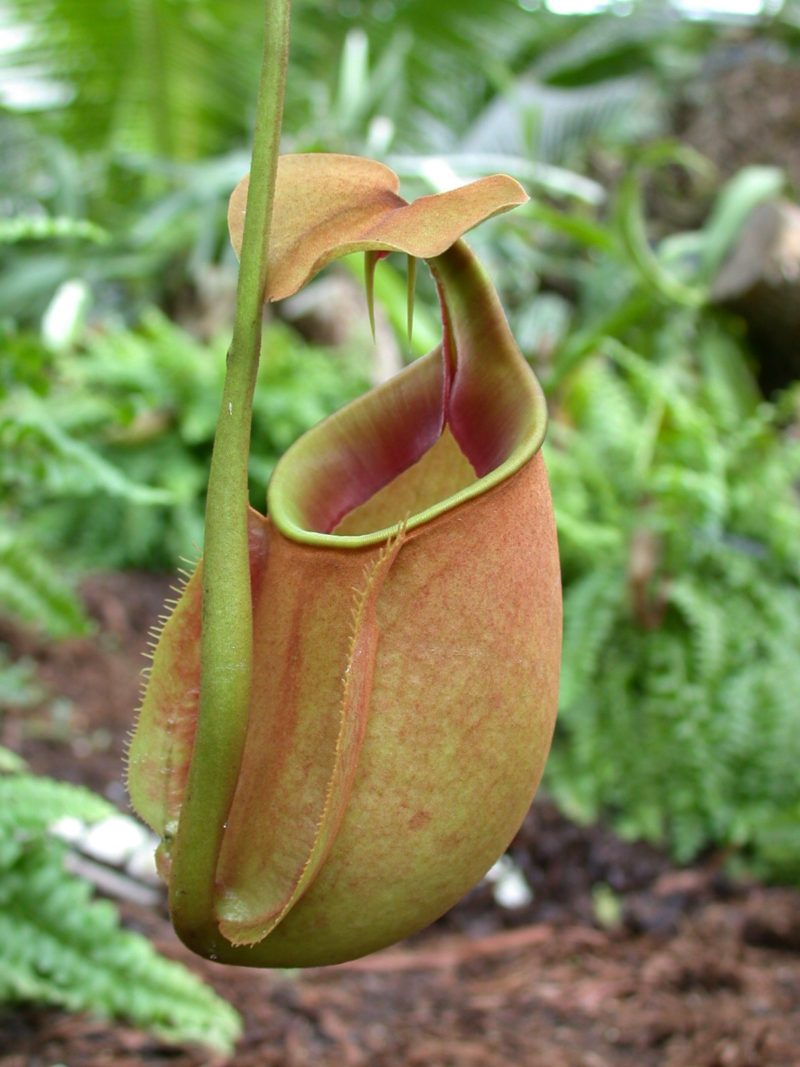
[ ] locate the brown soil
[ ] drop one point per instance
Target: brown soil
(695, 970)
(746, 114)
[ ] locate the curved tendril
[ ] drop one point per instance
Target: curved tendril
(370, 261)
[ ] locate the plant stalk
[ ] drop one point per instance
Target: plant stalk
(227, 623)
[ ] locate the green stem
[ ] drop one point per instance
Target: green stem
(226, 644)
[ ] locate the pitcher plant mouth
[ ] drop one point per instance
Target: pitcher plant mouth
(412, 448)
(449, 427)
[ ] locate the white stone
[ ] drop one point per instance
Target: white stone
(114, 840)
(69, 829)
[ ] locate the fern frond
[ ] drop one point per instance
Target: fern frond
(38, 451)
(33, 590)
(684, 729)
(591, 608)
(60, 946)
(706, 624)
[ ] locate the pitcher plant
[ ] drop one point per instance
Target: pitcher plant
(395, 677)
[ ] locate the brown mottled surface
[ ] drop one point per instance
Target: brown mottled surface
(746, 112)
(699, 972)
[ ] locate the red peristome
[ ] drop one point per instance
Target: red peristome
(346, 459)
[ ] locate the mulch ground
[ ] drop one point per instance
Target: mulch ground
(692, 969)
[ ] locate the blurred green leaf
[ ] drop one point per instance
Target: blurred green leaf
(745, 191)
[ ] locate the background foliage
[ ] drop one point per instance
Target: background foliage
(61, 947)
(679, 523)
(675, 478)
(118, 439)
